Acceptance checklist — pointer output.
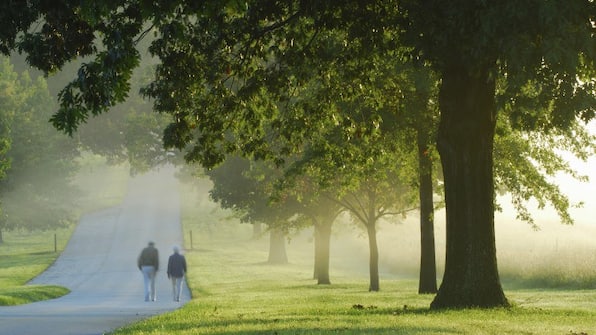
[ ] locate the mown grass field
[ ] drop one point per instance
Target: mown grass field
(236, 292)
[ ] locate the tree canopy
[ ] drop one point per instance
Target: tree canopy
(36, 191)
(229, 72)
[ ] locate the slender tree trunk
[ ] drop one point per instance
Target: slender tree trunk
(277, 247)
(374, 257)
(256, 230)
(317, 237)
(428, 269)
(465, 142)
(1, 236)
(322, 243)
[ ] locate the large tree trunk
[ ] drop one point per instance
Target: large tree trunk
(374, 257)
(428, 269)
(322, 244)
(465, 142)
(277, 247)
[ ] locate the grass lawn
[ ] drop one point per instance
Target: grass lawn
(236, 292)
(23, 256)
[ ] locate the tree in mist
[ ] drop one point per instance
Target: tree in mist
(131, 132)
(314, 208)
(365, 178)
(37, 192)
(418, 110)
(373, 200)
(470, 44)
(391, 113)
(322, 214)
(8, 105)
(245, 187)
(143, 142)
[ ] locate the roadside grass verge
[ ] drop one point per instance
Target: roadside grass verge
(25, 294)
(236, 292)
(24, 255)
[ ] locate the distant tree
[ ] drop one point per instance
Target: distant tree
(373, 124)
(314, 208)
(245, 187)
(322, 215)
(374, 200)
(364, 178)
(417, 103)
(130, 132)
(37, 192)
(9, 101)
(143, 143)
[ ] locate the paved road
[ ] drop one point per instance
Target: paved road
(99, 266)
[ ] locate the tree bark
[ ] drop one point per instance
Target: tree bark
(374, 257)
(465, 143)
(277, 247)
(322, 244)
(427, 282)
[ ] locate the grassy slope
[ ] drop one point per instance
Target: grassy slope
(22, 257)
(235, 292)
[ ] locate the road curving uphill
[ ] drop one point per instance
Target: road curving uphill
(99, 266)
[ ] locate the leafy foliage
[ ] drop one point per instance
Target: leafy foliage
(527, 165)
(36, 192)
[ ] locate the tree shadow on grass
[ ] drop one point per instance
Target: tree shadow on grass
(306, 325)
(346, 321)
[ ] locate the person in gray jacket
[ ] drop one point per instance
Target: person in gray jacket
(148, 263)
(176, 271)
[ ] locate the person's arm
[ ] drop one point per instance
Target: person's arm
(169, 267)
(139, 260)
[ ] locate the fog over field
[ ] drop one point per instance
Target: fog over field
(553, 254)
